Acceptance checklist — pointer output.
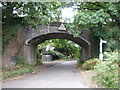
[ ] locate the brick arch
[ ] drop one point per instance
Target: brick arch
(34, 41)
(85, 45)
(28, 38)
(33, 37)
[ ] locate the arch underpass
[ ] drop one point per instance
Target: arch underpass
(43, 33)
(28, 38)
(79, 40)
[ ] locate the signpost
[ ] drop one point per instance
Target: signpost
(101, 54)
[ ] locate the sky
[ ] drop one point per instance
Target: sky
(68, 13)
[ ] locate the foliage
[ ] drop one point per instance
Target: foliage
(19, 69)
(97, 12)
(33, 13)
(107, 71)
(112, 45)
(89, 64)
(14, 14)
(21, 60)
(8, 31)
(102, 18)
(39, 52)
(56, 54)
(80, 62)
(38, 61)
(66, 47)
(111, 56)
(74, 29)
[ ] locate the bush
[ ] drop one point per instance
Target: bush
(107, 71)
(89, 64)
(111, 56)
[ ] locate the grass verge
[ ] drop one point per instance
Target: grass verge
(15, 71)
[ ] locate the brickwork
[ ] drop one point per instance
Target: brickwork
(11, 52)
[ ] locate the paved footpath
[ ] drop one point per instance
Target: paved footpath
(61, 75)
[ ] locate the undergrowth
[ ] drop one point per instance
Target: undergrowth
(19, 69)
(107, 71)
(14, 71)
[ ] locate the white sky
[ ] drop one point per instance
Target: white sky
(68, 13)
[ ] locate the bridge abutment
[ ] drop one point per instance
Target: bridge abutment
(85, 53)
(29, 54)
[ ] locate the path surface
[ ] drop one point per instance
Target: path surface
(61, 75)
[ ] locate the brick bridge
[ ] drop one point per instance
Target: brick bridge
(25, 42)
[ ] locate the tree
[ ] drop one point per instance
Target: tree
(33, 13)
(100, 17)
